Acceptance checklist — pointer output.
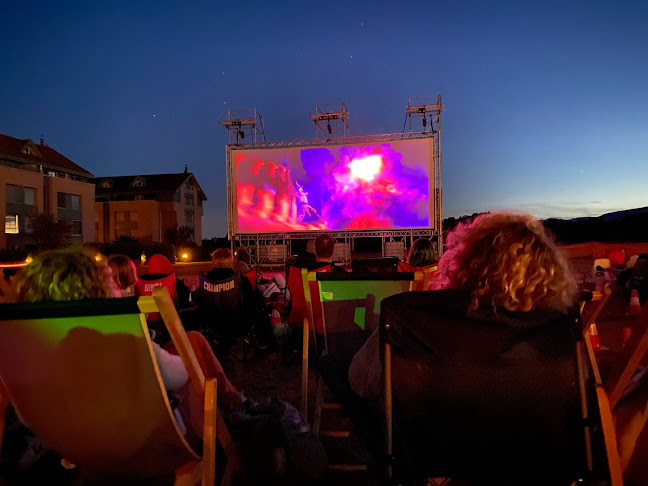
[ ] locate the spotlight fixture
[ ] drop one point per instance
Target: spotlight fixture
(424, 121)
(242, 134)
(328, 127)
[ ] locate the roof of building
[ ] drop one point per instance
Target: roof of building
(149, 182)
(27, 152)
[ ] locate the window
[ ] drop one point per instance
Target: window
(11, 224)
(126, 223)
(20, 195)
(27, 151)
(51, 173)
(68, 201)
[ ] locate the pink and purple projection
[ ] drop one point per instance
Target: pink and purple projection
(378, 186)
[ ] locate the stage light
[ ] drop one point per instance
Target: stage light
(328, 127)
(185, 256)
(424, 121)
(242, 134)
(143, 258)
(98, 257)
(29, 259)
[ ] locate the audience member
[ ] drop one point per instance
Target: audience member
(241, 262)
(124, 273)
(324, 247)
(506, 262)
(253, 304)
(160, 267)
(72, 275)
(422, 253)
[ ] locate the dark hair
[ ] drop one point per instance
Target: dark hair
(324, 246)
(422, 253)
(122, 271)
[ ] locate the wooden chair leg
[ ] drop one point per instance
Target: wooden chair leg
(4, 405)
(210, 429)
(318, 405)
(304, 390)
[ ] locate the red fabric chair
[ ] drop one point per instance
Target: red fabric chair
(252, 277)
(145, 287)
(429, 272)
(296, 287)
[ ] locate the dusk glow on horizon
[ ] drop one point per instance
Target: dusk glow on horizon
(544, 104)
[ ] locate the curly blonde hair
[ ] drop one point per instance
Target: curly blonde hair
(508, 260)
(61, 275)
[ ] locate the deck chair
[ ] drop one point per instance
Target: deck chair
(589, 313)
(428, 272)
(252, 277)
(83, 377)
(468, 396)
(364, 265)
(144, 286)
(357, 287)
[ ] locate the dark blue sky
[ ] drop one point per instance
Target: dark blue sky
(546, 102)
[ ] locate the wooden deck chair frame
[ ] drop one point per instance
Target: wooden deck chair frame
(202, 469)
(610, 391)
(615, 467)
(308, 322)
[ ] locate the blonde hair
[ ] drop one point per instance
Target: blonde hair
(222, 258)
(509, 260)
(61, 275)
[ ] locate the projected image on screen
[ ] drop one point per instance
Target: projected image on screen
(333, 188)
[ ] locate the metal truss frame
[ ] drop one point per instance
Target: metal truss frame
(332, 118)
(420, 108)
(240, 123)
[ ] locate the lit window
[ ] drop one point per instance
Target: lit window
(11, 224)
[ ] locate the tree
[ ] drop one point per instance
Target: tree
(182, 236)
(49, 233)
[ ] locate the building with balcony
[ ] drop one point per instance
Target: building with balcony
(35, 178)
(145, 206)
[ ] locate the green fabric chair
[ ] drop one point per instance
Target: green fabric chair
(83, 377)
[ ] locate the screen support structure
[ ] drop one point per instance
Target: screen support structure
(243, 123)
(331, 121)
(424, 115)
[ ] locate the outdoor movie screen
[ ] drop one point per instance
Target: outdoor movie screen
(360, 186)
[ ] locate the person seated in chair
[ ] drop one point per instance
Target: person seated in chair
(159, 267)
(324, 247)
(421, 253)
(253, 305)
(72, 275)
(508, 266)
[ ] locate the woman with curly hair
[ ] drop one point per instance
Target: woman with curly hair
(506, 265)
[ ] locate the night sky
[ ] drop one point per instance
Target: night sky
(546, 103)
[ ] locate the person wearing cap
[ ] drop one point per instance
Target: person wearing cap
(159, 267)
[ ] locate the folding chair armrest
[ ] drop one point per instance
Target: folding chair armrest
(179, 337)
(210, 429)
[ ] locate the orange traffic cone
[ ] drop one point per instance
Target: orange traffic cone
(275, 318)
(594, 337)
(635, 306)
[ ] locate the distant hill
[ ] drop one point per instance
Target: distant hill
(627, 225)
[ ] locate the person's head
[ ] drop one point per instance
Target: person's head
(422, 254)
(310, 246)
(123, 271)
(508, 260)
(324, 246)
(62, 275)
(159, 264)
(242, 255)
(222, 258)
